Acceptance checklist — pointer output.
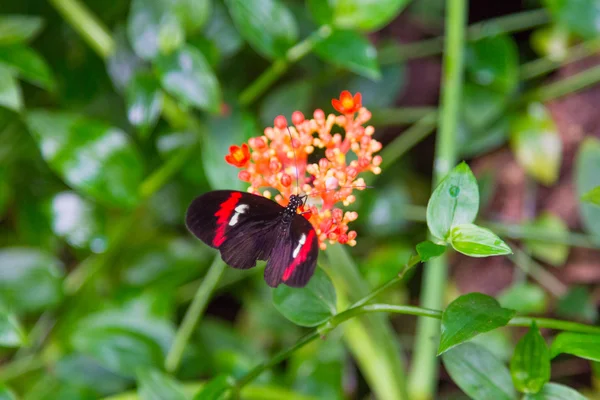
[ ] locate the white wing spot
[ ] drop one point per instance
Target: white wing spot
(241, 209)
(300, 243)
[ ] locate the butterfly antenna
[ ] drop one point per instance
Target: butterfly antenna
(295, 159)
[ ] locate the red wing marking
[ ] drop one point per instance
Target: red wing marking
(223, 215)
(306, 247)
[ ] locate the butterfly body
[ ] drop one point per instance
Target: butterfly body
(246, 227)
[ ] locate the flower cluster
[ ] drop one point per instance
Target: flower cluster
(281, 156)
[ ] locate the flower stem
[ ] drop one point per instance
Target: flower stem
(280, 66)
(545, 65)
(408, 139)
(423, 374)
(565, 86)
(193, 314)
(507, 24)
(539, 273)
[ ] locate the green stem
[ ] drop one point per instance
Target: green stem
(193, 314)
(539, 273)
(21, 366)
(508, 24)
(280, 66)
(87, 25)
(423, 375)
(574, 83)
(545, 65)
(408, 139)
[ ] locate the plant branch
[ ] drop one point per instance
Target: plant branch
(574, 83)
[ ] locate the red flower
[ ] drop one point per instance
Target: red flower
(347, 104)
(238, 156)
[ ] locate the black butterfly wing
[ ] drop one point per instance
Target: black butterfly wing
(241, 225)
(294, 256)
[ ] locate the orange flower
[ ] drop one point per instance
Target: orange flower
(238, 156)
(347, 104)
(280, 156)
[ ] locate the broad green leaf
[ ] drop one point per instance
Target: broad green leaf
(92, 157)
(216, 389)
(350, 50)
(11, 96)
(268, 25)
(473, 142)
(475, 241)
(286, 99)
(187, 76)
(555, 391)
(152, 27)
(587, 163)
(28, 64)
(525, 298)
(84, 371)
(593, 196)
(356, 14)
(6, 393)
(155, 385)
(220, 30)
(223, 132)
(479, 373)
(383, 92)
(428, 250)
(481, 105)
(578, 344)
(11, 332)
(144, 102)
(123, 63)
(30, 279)
(381, 214)
(19, 28)
(310, 305)
(530, 364)
(470, 315)
(577, 303)
(454, 201)
(193, 14)
(579, 16)
(78, 221)
(555, 254)
(118, 349)
(493, 62)
(535, 141)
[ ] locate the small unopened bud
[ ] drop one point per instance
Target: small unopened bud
(319, 114)
(297, 118)
(286, 180)
(280, 122)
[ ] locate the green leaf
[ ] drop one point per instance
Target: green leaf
(479, 373)
(122, 63)
(193, 14)
(428, 250)
(118, 349)
(383, 92)
(153, 27)
(30, 280)
(536, 143)
(454, 201)
(530, 364)
(580, 16)
(285, 99)
(6, 191)
(481, 106)
(10, 91)
(92, 157)
(493, 62)
(555, 391)
(470, 315)
(587, 163)
(6, 393)
(19, 28)
(155, 385)
(28, 64)
(577, 303)
(554, 254)
(220, 30)
(216, 389)
(593, 196)
(83, 371)
(475, 241)
(310, 305)
(350, 50)
(144, 102)
(78, 221)
(186, 75)
(525, 298)
(268, 25)
(356, 14)
(11, 332)
(235, 128)
(577, 344)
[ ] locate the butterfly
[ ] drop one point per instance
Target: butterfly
(246, 227)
